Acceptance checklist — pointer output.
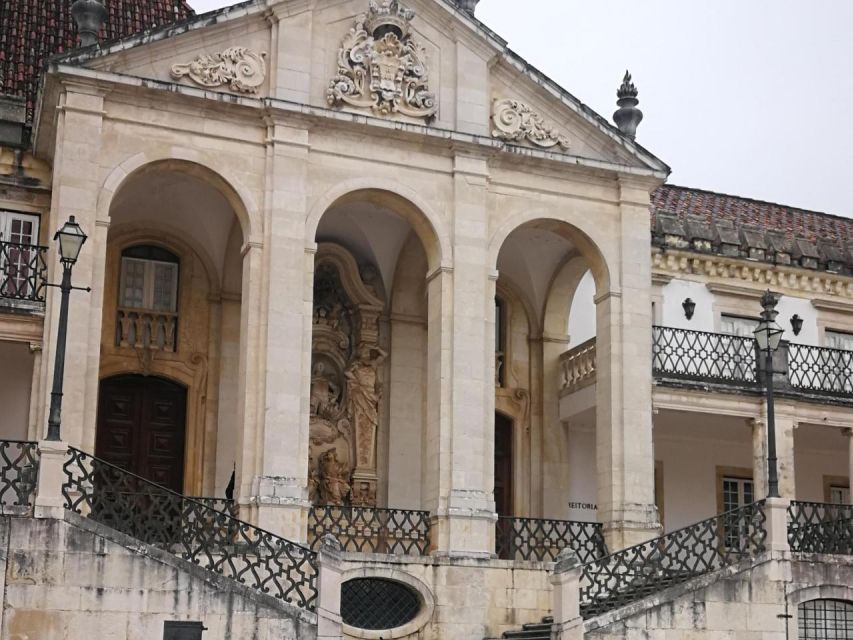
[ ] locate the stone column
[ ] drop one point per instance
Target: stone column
(76, 187)
(759, 457)
(568, 623)
(49, 502)
(329, 571)
(849, 434)
(624, 441)
(277, 319)
(786, 423)
(465, 502)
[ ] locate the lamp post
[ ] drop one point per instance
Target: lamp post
(71, 239)
(768, 335)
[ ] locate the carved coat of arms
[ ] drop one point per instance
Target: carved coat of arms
(382, 67)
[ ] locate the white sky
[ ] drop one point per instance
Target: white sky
(750, 97)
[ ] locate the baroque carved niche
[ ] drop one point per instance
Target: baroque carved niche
(239, 68)
(518, 122)
(382, 66)
(345, 381)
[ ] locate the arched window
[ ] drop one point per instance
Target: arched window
(500, 341)
(148, 298)
(825, 620)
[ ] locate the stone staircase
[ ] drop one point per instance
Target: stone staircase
(532, 631)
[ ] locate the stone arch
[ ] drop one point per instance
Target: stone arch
(821, 592)
(427, 223)
(190, 162)
(561, 296)
(584, 242)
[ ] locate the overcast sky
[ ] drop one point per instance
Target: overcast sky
(750, 97)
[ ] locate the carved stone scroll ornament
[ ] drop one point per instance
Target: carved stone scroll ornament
(516, 121)
(238, 68)
(382, 67)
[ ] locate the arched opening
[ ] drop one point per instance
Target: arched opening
(825, 619)
(141, 427)
(172, 305)
(368, 400)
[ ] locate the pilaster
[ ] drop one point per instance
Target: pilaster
(849, 434)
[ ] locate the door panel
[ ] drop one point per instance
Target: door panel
(142, 428)
(503, 465)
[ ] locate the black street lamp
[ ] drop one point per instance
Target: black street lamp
(768, 335)
(71, 239)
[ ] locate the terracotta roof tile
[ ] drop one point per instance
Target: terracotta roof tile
(714, 207)
(33, 30)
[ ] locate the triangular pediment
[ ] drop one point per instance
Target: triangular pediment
(453, 73)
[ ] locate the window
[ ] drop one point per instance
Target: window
(825, 620)
(659, 490)
(19, 258)
(839, 340)
(148, 299)
(500, 341)
(839, 376)
(735, 489)
(839, 495)
(737, 326)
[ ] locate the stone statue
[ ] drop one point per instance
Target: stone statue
(324, 391)
(334, 479)
(363, 393)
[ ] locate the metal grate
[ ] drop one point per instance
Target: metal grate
(815, 527)
(821, 369)
(639, 571)
(19, 463)
(537, 539)
(23, 271)
(378, 604)
(208, 537)
(825, 620)
(699, 355)
(370, 530)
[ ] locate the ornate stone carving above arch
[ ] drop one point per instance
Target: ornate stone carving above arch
(345, 380)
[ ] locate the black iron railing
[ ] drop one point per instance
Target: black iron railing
(639, 571)
(371, 530)
(820, 369)
(815, 527)
(205, 536)
(538, 539)
(23, 271)
(19, 464)
(699, 355)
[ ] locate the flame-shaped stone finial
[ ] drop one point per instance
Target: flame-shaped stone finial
(627, 116)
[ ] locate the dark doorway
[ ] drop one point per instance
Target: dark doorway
(503, 465)
(142, 427)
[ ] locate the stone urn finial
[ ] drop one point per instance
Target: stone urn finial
(90, 16)
(627, 116)
(467, 5)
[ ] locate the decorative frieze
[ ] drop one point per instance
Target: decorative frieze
(238, 68)
(382, 66)
(516, 121)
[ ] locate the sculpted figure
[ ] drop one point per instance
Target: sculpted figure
(324, 391)
(334, 483)
(363, 390)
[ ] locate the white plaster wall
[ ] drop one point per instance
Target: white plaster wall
(818, 452)
(16, 375)
(582, 314)
(672, 313)
(787, 307)
(580, 499)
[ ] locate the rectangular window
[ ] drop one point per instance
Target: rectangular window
(737, 325)
(839, 340)
(735, 491)
(149, 284)
(18, 258)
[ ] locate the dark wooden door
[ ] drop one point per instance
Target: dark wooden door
(142, 427)
(503, 465)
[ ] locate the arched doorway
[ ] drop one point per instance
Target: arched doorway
(142, 427)
(503, 464)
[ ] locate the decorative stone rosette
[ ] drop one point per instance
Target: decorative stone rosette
(239, 68)
(382, 67)
(517, 121)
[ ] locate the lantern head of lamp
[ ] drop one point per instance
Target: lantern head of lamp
(768, 334)
(689, 308)
(71, 239)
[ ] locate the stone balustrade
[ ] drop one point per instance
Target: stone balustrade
(577, 367)
(146, 329)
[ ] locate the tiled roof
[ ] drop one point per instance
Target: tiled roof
(715, 207)
(33, 30)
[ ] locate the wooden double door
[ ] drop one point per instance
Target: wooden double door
(142, 427)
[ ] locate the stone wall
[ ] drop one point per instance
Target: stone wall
(744, 602)
(72, 579)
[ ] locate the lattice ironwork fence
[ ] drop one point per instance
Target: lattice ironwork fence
(815, 527)
(206, 536)
(23, 271)
(639, 571)
(19, 464)
(371, 530)
(699, 355)
(378, 604)
(538, 539)
(820, 369)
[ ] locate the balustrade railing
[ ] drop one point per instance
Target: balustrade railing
(815, 527)
(542, 540)
(19, 464)
(371, 530)
(208, 537)
(699, 355)
(577, 367)
(820, 369)
(23, 271)
(144, 329)
(639, 571)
